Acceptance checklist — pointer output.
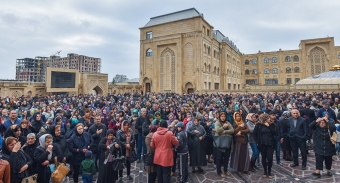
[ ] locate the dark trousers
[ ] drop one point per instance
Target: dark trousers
(277, 149)
(222, 157)
(163, 174)
(152, 177)
(319, 162)
(95, 158)
(183, 167)
(173, 168)
(128, 168)
(295, 145)
(267, 158)
(76, 169)
(87, 178)
(140, 145)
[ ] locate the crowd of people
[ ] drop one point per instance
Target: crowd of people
(167, 132)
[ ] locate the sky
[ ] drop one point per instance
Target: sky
(109, 29)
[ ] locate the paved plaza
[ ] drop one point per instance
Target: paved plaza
(282, 174)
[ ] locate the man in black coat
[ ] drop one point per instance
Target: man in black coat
(297, 132)
(141, 138)
(97, 131)
(182, 152)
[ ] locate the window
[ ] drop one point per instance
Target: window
(254, 61)
(266, 60)
(338, 55)
(208, 32)
(209, 50)
(287, 59)
(209, 68)
(274, 60)
(288, 70)
(215, 70)
(275, 71)
(254, 71)
(246, 62)
(203, 29)
(218, 71)
(296, 69)
(205, 49)
(289, 81)
(149, 35)
(149, 52)
(251, 82)
(296, 58)
(205, 67)
(214, 53)
(247, 72)
(266, 71)
(297, 80)
(271, 81)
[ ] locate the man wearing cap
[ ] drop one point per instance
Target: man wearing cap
(326, 108)
(182, 152)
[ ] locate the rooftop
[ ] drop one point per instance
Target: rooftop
(329, 77)
(179, 15)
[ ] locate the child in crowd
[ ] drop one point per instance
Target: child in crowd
(87, 168)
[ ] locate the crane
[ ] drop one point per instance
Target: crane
(53, 56)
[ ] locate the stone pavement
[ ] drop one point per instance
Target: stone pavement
(282, 174)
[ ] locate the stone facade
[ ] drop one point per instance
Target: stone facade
(185, 56)
(286, 67)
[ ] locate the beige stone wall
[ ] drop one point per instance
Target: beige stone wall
(17, 89)
(121, 88)
(185, 56)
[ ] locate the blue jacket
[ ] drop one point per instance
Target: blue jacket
(9, 123)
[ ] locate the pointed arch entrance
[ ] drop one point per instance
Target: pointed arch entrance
(97, 91)
(167, 71)
(317, 58)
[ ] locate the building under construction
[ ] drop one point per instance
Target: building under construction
(34, 70)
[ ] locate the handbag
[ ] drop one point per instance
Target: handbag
(60, 171)
(334, 136)
(30, 179)
(223, 142)
(133, 156)
(118, 161)
(148, 159)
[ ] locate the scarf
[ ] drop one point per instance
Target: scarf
(128, 139)
(238, 123)
(248, 118)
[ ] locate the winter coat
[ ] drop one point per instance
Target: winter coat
(163, 141)
(8, 123)
(139, 124)
(88, 166)
(322, 144)
(96, 137)
(121, 139)
(36, 125)
(5, 171)
(29, 150)
(146, 128)
(79, 142)
(182, 138)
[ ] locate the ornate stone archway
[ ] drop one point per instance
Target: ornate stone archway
(167, 71)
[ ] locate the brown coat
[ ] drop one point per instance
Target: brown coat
(243, 139)
(148, 138)
(5, 172)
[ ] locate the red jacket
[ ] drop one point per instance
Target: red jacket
(163, 141)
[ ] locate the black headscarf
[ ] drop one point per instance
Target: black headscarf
(55, 138)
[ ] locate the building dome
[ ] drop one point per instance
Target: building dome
(331, 77)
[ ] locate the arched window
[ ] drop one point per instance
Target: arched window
(246, 62)
(287, 59)
(205, 48)
(218, 71)
(247, 72)
(233, 74)
(215, 70)
(253, 61)
(317, 59)
(254, 71)
(214, 53)
(296, 69)
(209, 68)
(205, 67)
(289, 81)
(274, 60)
(275, 71)
(266, 60)
(208, 50)
(296, 58)
(238, 64)
(288, 70)
(266, 71)
(149, 52)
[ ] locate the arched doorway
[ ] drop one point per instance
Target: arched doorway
(147, 85)
(317, 59)
(97, 91)
(167, 71)
(189, 87)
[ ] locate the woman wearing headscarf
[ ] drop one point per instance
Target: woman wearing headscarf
(44, 156)
(196, 135)
(59, 139)
(251, 122)
(109, 149)
(207, 125)
(19, 161)
(151, 170)
(240, 160)
(29, 149)
(36, 123)
(323, 129)
(285, 146)
(223, 128)
(24, 128)
(15, 131)
(125, 138)
(78, 144)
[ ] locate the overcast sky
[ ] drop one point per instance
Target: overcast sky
(109, 29)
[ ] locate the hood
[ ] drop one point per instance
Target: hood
(87, 164)
(135, 111)
(162, 131)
